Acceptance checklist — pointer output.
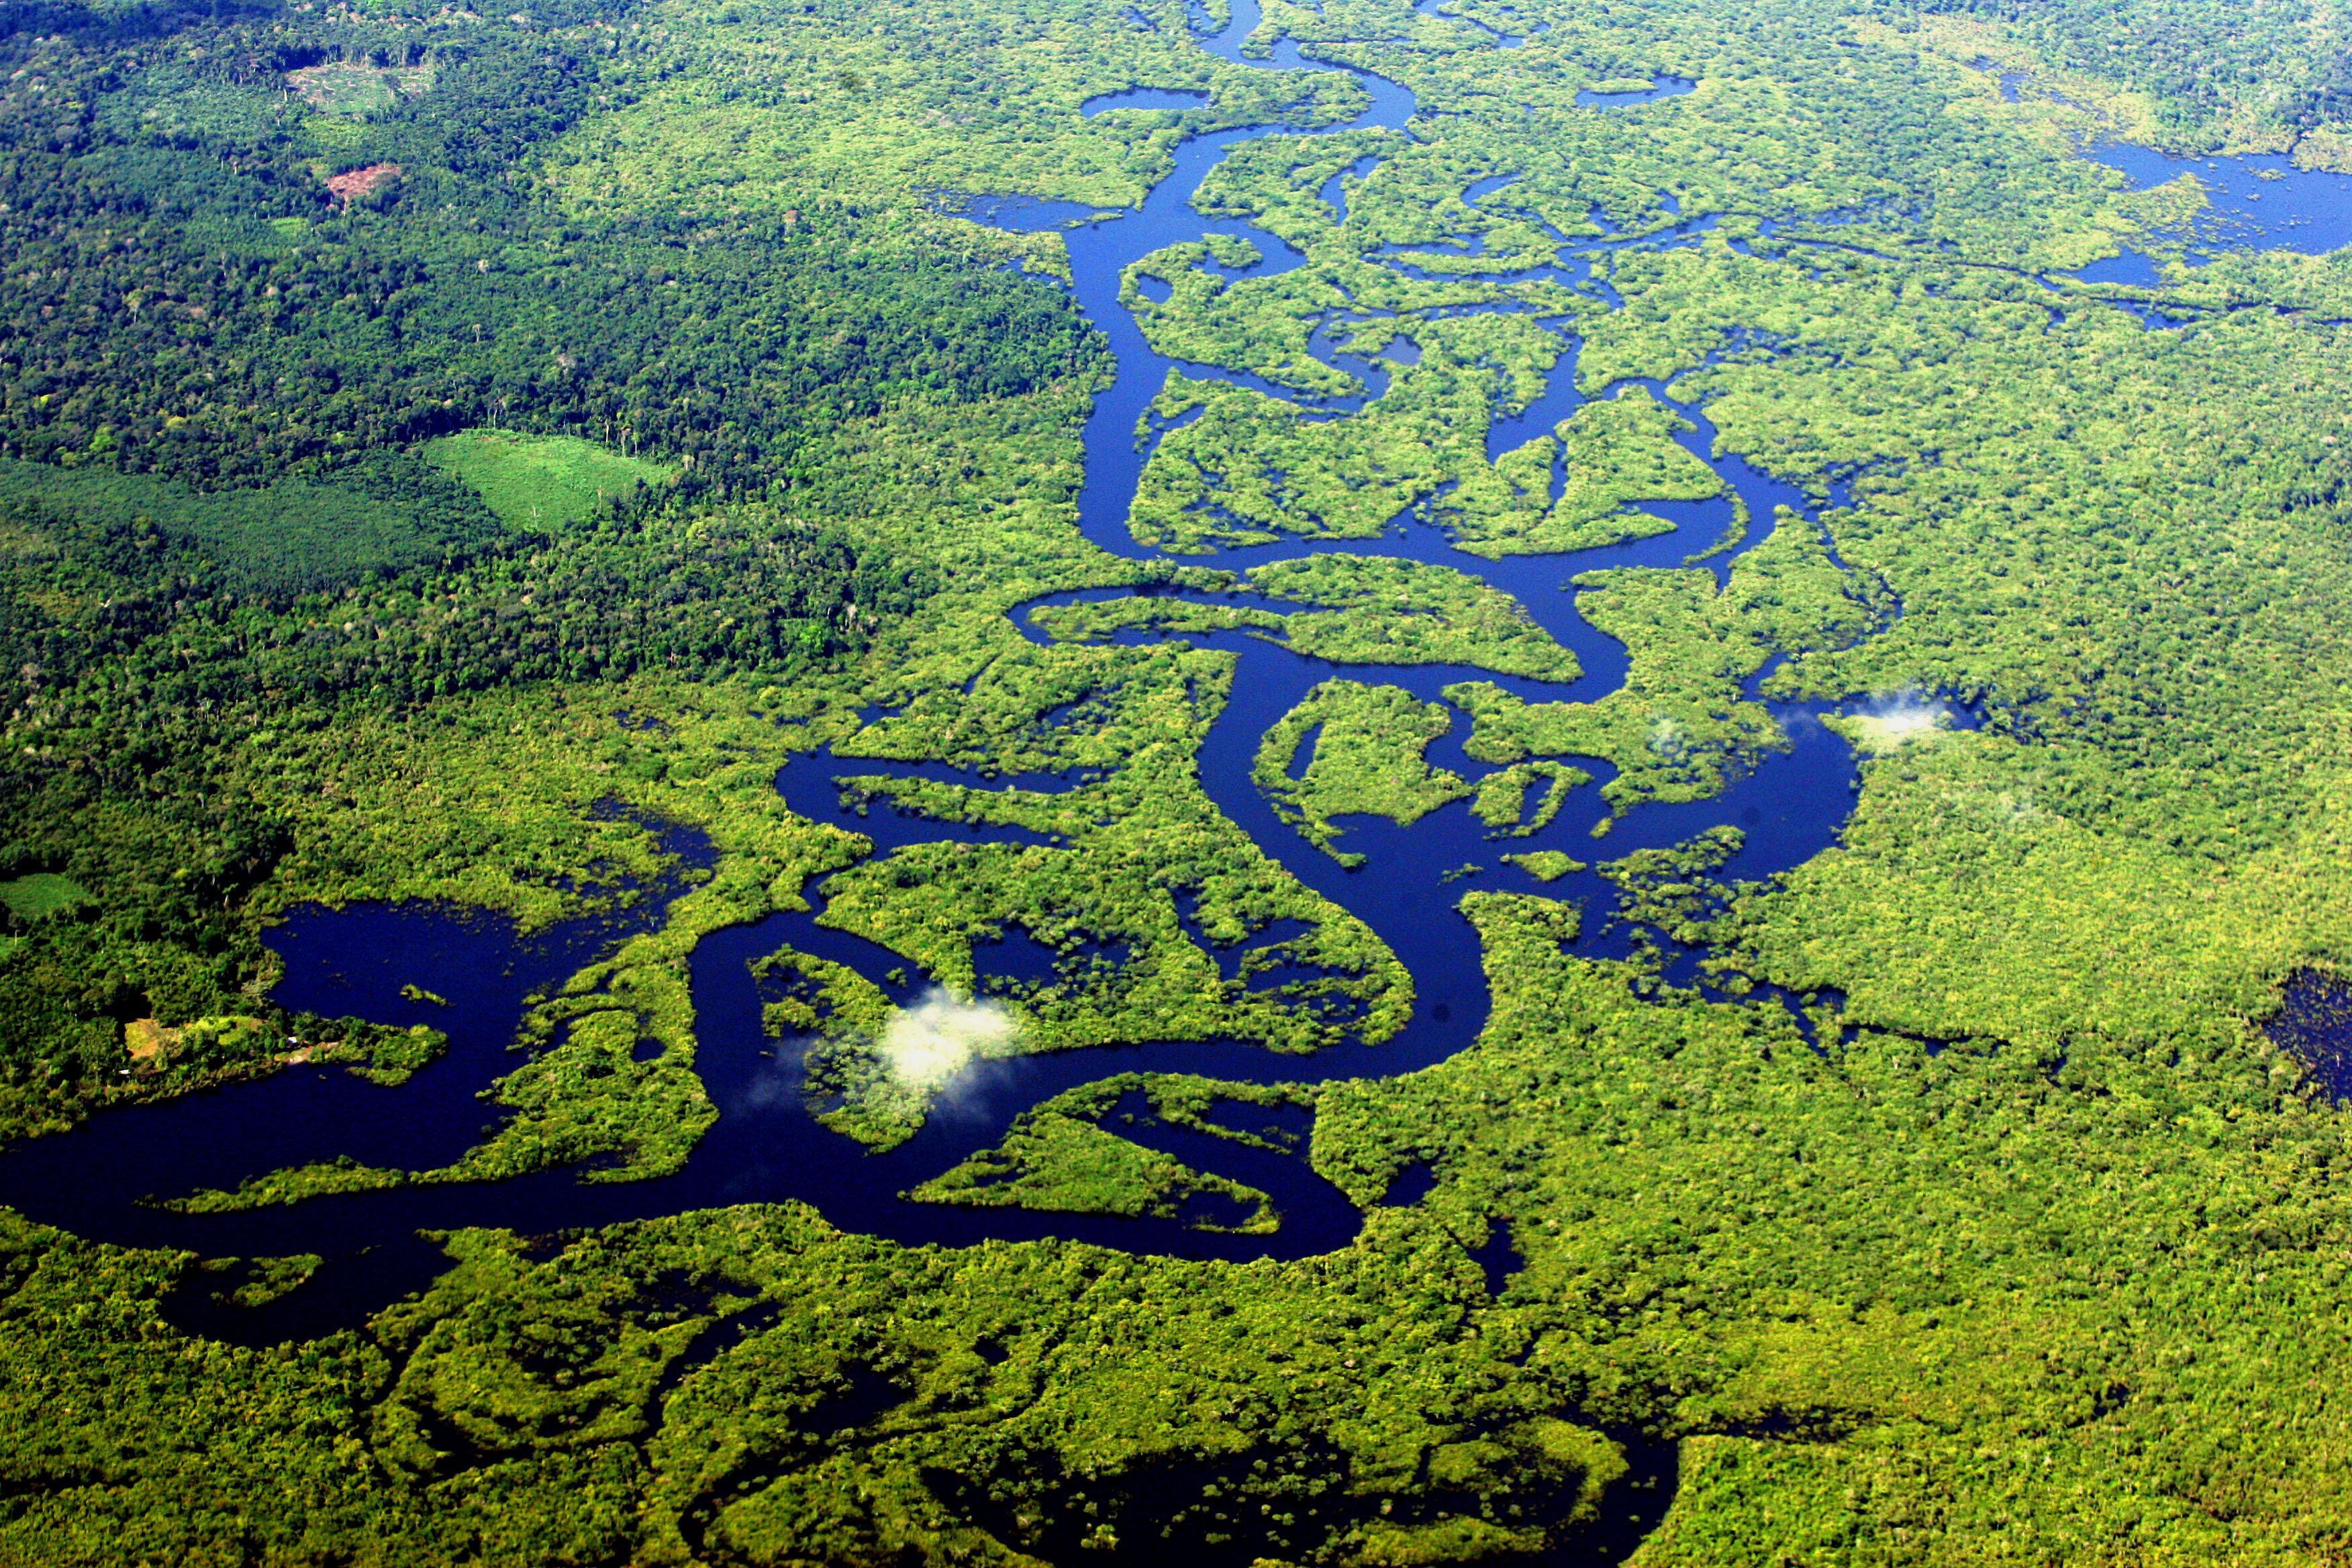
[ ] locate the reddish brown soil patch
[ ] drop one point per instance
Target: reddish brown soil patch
(355, 183)
(145, 1041)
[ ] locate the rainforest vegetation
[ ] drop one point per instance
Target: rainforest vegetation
(471, 459)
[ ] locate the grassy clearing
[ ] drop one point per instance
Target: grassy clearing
(352, 87)
(41, 894)
(543, 481)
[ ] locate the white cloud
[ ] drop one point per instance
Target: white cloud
(1894, 722)
(926, 1044)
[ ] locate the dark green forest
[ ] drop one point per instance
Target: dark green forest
(217, 383)
(461, 458)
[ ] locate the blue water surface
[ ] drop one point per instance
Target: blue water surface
(766, 1146)
(1145, 97)
(2258, 201)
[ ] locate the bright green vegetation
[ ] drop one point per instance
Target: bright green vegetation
(1614, 452)
(1247, 467)
(2193, 75)
(356, 87)
(1673, 890)
(30, 897)
(536, 482)
(327, 574)
(1547, 864)
(256, 1282)
(1502, 799)
(1055, 1162)
(1363, 747)
(291, 1185)
(1064, 1157)
(1364, 610)
(1680, 719)
(772, 106)
(1058, 1163)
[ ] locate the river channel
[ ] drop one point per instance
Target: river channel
(766, 1146)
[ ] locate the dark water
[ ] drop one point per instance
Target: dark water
(1144, 98)
(1661, 88)
(765, 1146)
(2255, 200)
(2130, 268)
(2258, 201)
(2315, 1024)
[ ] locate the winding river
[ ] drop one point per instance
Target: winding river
(765, 1147)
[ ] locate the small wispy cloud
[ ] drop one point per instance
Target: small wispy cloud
(926, 1044)
(941, 1054)
(1893, 722)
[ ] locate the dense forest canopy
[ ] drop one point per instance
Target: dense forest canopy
(466, 457)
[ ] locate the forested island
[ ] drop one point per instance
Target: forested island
(1204, 782)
